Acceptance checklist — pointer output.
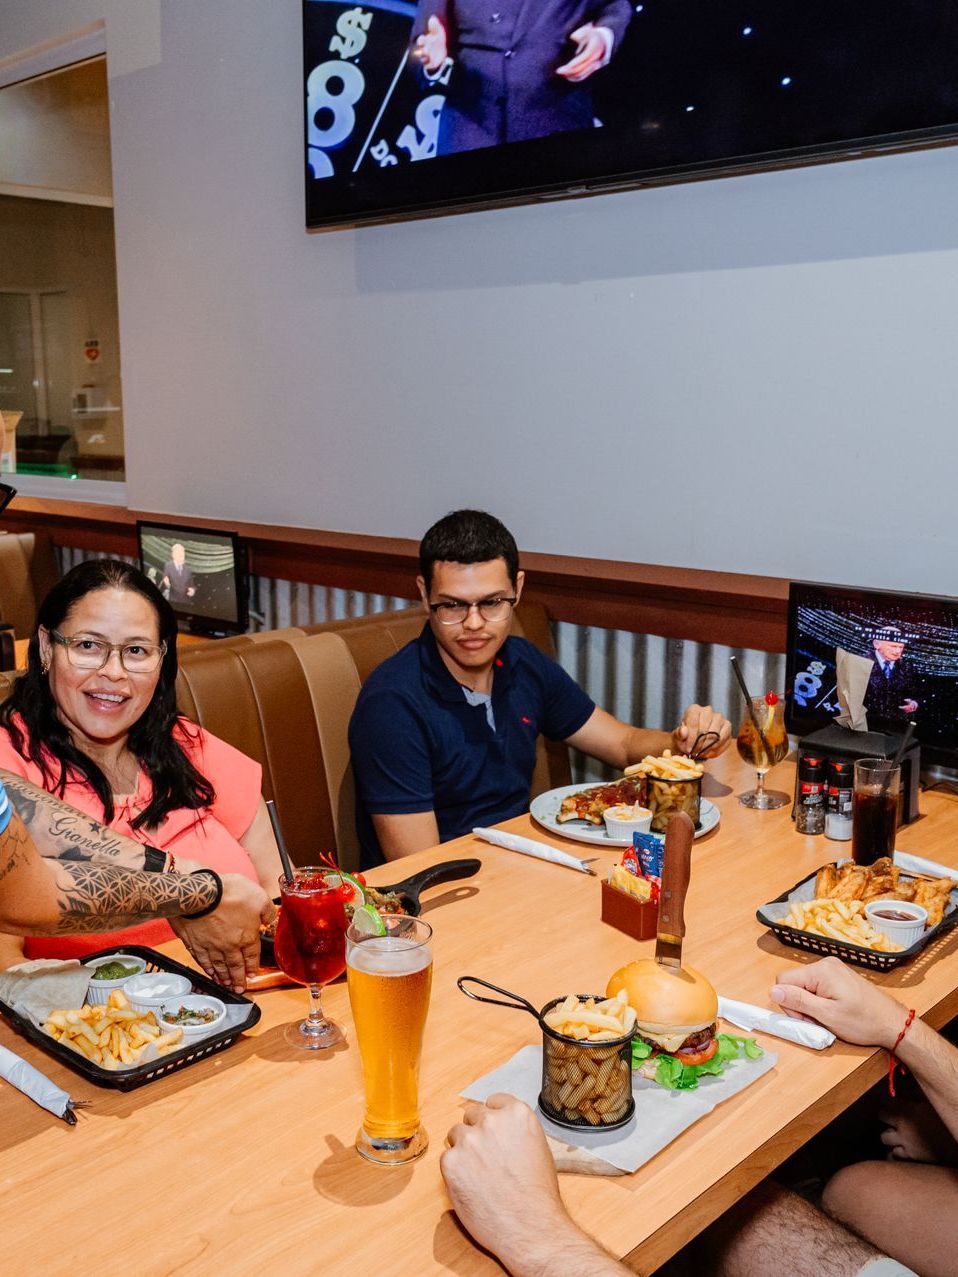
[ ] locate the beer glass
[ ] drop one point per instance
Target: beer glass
(389, 979)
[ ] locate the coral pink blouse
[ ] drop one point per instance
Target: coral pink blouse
(210, 835)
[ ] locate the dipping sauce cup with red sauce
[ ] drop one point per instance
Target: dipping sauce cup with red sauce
(900, 920)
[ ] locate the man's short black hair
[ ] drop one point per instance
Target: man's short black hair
(468, 536)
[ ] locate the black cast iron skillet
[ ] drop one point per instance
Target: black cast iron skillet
(408, 891)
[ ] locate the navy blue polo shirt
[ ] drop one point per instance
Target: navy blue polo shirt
(417, 745)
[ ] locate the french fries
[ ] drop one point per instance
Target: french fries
(590, 1021)
(113, 1036)
(839, 920)
(673, 783)
(582, 1081)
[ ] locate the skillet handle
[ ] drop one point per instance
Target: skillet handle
(516, 1004)
(447, 871)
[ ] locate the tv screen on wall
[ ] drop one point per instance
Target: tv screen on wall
(441, 105)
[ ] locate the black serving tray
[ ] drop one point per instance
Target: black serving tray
(130, 1079)
(855, 953)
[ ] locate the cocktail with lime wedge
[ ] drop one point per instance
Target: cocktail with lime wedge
(763, 741)
(310, 943)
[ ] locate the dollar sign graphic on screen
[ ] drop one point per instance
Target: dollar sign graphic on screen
(351, 38)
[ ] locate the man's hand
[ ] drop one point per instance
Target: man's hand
(226, 943)
(696, 720)
(832, 994)
(501, 1178)
(590, 55)
(432, 48)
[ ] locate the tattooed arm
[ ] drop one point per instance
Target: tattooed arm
(60, 832)
(41, 898)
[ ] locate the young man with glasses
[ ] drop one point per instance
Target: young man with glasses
(443, 736)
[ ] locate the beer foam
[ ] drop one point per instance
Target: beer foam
(389, 955)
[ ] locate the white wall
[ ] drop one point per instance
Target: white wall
(755, 374)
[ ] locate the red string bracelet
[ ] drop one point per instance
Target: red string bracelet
(894, 1063)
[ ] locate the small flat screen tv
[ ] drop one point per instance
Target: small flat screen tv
(900, 652)
(525, 99)
(202, 573)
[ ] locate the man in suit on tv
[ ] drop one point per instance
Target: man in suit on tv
(177, 582)
(888, 697)
(519, 67)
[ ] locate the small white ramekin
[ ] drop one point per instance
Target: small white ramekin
(98, 992)
(194, 1000)
(622, 825)
(140, 990)
(904, 933)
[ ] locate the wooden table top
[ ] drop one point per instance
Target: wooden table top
(245, 1162)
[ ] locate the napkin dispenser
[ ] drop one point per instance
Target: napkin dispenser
(834, 741)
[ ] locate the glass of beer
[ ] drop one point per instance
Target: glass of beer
(874, 809)
(389, 979)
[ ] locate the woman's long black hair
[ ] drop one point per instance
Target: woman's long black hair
(47, 743)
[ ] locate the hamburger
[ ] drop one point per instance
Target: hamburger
(675, 1026)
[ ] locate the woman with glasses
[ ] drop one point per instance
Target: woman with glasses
(94, 721)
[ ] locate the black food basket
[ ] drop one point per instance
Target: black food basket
(140, 1074)
(824, 946)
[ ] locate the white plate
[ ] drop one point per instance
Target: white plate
(545, 808)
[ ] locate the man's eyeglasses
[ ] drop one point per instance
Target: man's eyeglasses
(495, 609)
(93, 654)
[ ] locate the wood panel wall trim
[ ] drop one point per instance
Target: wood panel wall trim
(681, 603)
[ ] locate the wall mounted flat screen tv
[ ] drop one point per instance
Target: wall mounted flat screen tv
(899, 652)
(202, 573)
(425, 106)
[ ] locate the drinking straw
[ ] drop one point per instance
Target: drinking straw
(899, 754)
(751, 707)
(288, 871)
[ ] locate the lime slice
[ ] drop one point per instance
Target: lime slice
(354, 894)
(367, 921)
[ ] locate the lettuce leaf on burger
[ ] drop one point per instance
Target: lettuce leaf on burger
(676, 1039)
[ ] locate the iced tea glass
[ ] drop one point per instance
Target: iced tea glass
(389, 979)
(310, 946)
(763, 755)
(874, 809)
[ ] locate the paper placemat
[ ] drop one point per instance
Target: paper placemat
(660, 1115)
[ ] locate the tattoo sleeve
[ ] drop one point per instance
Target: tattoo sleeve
(104, 897)
(12, 848)
(60, 832)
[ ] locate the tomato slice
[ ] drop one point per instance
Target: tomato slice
(700, 1056)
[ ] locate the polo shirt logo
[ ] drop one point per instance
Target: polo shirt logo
(527, 721)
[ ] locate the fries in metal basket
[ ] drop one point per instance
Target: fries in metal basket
(839, 920)
(113, 1036)
(592, 1021)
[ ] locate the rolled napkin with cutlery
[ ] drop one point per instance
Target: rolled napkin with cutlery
(36, 1086)
(746, 1016)
(529, 847)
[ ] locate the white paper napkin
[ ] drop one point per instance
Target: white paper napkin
(919, 865)
(36, 1085)
(529, 847)
(660, 1115)
(746, 1016)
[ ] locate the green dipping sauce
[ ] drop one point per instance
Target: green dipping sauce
(114, 971)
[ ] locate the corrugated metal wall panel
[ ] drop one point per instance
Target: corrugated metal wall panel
(640, 678)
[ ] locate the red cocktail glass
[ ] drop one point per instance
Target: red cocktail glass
(310, 946)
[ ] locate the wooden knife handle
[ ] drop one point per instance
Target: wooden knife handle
(676, 872)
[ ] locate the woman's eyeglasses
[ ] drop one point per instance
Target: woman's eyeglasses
(93, 654)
